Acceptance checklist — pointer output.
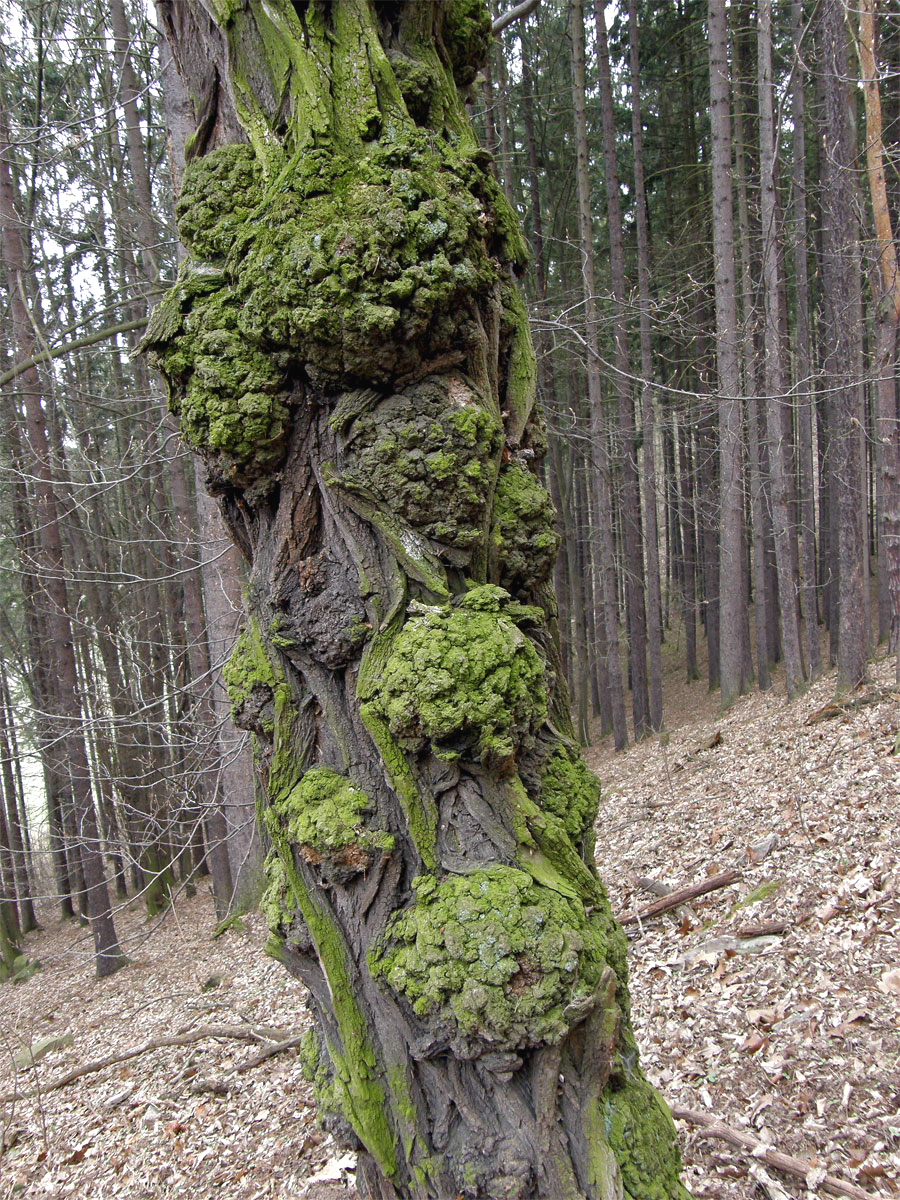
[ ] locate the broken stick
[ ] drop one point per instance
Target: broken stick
(673, 899)
(247, 1033)
(716, 1128)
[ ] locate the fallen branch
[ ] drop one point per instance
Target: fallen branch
(711, 884)
(269, 1052)
(716, 1128)
(240, 1032)
(838, 708)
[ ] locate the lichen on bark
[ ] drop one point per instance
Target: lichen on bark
(346, 348)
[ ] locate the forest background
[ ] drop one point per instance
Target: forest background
(710, 195)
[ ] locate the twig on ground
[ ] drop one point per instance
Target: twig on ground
(710, 884)
(240, 1032)
(716, 1128)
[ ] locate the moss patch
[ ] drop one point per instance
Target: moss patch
(256, 688)
(466, 35)
(493, 955)
(324, 815)
(570, 792)
(639, 1129)
(219, 193)
(428, 454)
(465, 678)
(524, 540)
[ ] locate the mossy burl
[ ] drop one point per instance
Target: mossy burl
(430, 454)
(465, 678)
(249, 668)
(492, 956)
(326, 812)
(466, 34)
(569, 791)
(523, 537)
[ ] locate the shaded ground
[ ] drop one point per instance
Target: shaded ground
(799, 1042)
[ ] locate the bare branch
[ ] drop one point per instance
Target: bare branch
(513, 14)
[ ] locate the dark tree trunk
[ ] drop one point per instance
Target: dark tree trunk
(601, 472)
(84, 841)
(840, 282)
(733, 631)
(347, 350)
(626, 455)
(648, 415)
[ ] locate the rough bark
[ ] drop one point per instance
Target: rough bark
(347, 350)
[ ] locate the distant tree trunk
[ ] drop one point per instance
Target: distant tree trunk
(68, 715)
(601, 465)
(805, 395)
(687, 512)
(783, 499)
(368, 422)
(732, 605)
(888, 316)
(630, 507)
(648, 421)
(840, 275)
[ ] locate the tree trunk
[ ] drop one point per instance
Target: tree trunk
(600, 462)
(630, 506)
(783, 500)
(840, 276)
(67, 714)
(648, 415)
(887, 424)
(805, 395)
(732, 606)
(347, 350)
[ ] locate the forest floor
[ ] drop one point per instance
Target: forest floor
(793, 1036)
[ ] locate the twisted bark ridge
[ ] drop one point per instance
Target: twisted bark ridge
(346, 348)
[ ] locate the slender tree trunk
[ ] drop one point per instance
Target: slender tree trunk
(805, 396)
(409, 723)
(887, 424)
(732, 607)
(601, 464)
(630, 506)
(841, 267)
(648, 415)
(776, 375)
(68, 713)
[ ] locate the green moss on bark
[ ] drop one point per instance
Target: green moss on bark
(523, 540)
(639, 1129)
(467, 38)
(256, 687)
(570, 792)
(325, 815)
(464, 678)
(494, 957)
(429, 455)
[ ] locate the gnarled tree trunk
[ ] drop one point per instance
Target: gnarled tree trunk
(346, 348)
